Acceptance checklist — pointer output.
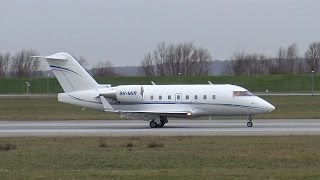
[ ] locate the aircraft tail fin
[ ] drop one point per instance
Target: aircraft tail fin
(70, 74)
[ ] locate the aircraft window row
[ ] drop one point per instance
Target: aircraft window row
(242, 93)
(235, 93)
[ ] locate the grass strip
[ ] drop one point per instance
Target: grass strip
(291, 157)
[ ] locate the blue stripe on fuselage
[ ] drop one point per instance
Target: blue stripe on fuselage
(62, 68)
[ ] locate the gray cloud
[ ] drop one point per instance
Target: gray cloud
(122, 31)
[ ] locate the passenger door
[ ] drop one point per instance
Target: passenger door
(178, 97)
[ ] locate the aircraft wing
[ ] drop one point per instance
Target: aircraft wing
(142, 114)
(159, 112)
(147, 115)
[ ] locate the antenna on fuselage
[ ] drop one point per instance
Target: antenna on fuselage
(153, 83)
(210, 82)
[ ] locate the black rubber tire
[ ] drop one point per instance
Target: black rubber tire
(153, 124)
(249, 124)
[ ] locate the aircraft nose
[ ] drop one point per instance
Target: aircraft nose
(266, 106)
(269, 107)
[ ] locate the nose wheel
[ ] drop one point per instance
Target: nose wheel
(249, 123)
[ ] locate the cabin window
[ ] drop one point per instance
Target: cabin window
(169, 97)
(178, 96)
(196, 97)
(213, 96)
(204, 96)
(187, 96)
(151, 97)
(160, 97)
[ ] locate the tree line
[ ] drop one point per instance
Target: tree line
(174, 59)
(182, 58)
(287, 60)
(22, 64)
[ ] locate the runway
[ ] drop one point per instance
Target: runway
(267, 127)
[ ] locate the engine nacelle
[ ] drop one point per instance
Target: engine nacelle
(130, 93)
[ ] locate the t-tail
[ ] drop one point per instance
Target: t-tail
(70, 74)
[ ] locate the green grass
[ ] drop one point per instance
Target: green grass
(46, 109)
(274, 83)
(293, 107)
(292, 157)
(49, 109)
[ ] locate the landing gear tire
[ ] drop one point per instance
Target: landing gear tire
(153, 124)
(249, 124)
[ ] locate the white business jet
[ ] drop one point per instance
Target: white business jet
(155, 103)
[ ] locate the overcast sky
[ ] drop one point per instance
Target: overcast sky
(123, 31)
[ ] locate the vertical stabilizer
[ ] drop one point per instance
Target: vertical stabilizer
(70, 74)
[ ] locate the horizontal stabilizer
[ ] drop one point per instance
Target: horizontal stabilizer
(52, 57)
(57, 56)
(37, 56)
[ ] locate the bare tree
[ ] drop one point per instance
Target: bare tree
(147, 66)
(287, 59)
(239, 63)
(103, 69)
(23, 65)
(159, 56)
(250, 64)
(172, 59)
(4, 64)
(201, 62)
(312, 56)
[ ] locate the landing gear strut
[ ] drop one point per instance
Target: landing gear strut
(249, 123)
(158, 123)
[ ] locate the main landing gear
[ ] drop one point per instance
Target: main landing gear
(249, 123)
(158, 122)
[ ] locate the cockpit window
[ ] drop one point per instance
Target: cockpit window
(249, 93)
(242, 93)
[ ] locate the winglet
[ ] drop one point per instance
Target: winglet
(210, 82)
(107, 107)
(153, 83)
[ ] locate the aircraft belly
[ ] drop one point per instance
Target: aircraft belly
(197, 110)
(224, 110)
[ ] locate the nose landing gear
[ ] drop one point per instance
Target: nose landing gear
(249, 123)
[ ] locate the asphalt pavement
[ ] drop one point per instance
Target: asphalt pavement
(266, 127)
